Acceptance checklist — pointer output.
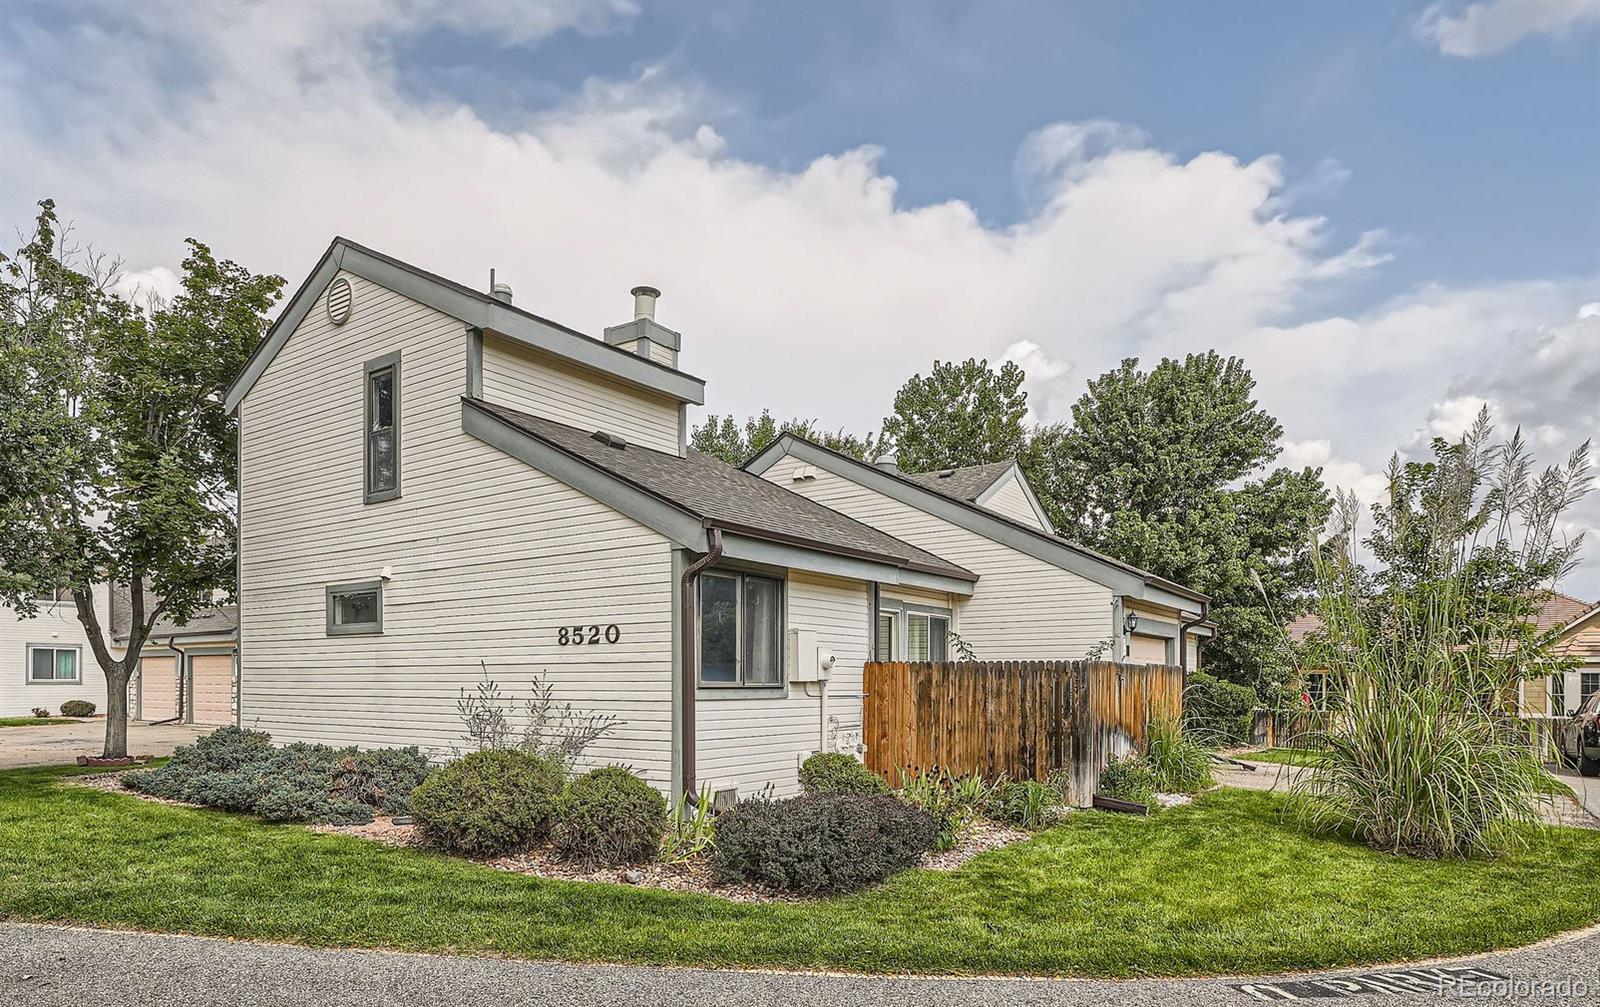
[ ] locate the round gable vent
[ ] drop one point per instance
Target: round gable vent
(340, 298)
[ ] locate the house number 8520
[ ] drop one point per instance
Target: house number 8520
(578, 636)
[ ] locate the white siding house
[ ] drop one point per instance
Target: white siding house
(436, 484)
(45, 660)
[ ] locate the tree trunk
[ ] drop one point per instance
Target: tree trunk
(116, 711)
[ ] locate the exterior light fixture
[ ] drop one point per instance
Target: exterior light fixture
(1131, 623)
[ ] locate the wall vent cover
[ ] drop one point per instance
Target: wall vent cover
(340, 300)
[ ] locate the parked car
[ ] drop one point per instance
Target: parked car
(1579, 737)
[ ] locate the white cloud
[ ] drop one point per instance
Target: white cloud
(1353, 477)
(1483, 29)
(266, 129)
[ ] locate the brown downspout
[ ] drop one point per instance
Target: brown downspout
(688, 659)
(183, 693)
(1183, 632)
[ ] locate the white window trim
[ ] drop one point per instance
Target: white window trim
(740, 685)
(902, 611)
(77, 664)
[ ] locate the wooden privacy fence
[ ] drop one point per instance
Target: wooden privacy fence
(1019, 719)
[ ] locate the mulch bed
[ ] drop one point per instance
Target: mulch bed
(693, 877)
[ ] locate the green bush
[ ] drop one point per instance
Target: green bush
(240, 770)
(838, 773)
(1180, 764)
(489, 802)
(1128, 779)
(821, 843)
(77, 708)
(1217, 712)
(609, 817)
(953, 801)
(1027, 803)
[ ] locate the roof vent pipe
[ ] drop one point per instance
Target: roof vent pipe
(644, 302)
(499, 291)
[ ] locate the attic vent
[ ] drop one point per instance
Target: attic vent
(804, 472)
(340, 300)
(947, 473)
(609, 440)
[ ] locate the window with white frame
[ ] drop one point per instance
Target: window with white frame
(382, 448)
(1558, 694)
(355, 609)
(1588, 685)
(741, 630)
(886, 636)
(48, 665)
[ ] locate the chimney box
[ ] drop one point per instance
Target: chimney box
(643, 335)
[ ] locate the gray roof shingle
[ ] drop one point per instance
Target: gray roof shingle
(728, 496)
(964, 483)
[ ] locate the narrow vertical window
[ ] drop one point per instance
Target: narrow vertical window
(938, 639)
(885, 636)
(383, 428)
(1558, 695)
(917, 638)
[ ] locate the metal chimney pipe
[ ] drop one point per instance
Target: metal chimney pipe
(644, 302)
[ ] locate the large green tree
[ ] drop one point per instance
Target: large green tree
(725, 438)
(118, 462)
(1169, 469)
(960, 414)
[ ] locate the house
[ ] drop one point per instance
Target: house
(185, 672)
(1577, 623)
(436, 484)
(45, 660)
(1578, 626)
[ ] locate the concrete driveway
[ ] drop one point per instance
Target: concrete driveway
(1586, 787)
(46, 966)
(56, 744)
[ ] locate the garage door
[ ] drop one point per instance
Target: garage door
(213, 688)
(158, 688)
(1147, 649)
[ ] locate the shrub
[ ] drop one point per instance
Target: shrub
(489, 802)
(1128, 779)
(837, 773)
(820, 843)
(952, 801)
(239, 770)
(77, 708)
(692, 829)
(1027, 803)
(1217, 712)
(40, 712)
(1180, 764)
(609, 817)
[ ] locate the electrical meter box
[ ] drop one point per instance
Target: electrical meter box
(807, 661)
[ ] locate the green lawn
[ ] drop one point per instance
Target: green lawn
(1221, 886)
(1283, 756)
(34, 721)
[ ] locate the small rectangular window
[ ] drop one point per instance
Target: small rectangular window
(382, 448)
(1588, 685)
(1558, 695)
(355, 609)
(52, 664)
(885, 636)
(938, 639)
(741, 630)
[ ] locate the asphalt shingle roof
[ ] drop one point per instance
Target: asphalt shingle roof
(726, 495)
(964, 483)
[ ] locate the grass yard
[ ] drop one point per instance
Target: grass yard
(34, 721)
(1281, 756)
(1221, 886)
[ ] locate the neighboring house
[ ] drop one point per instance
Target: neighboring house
(45, 660)
(435, 484)
(1578, 623)
(185, 673)
(1561, 694)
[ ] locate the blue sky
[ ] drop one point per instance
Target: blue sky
(1390, 210)
(1484, 169)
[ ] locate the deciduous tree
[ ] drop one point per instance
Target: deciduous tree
(118, 461)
